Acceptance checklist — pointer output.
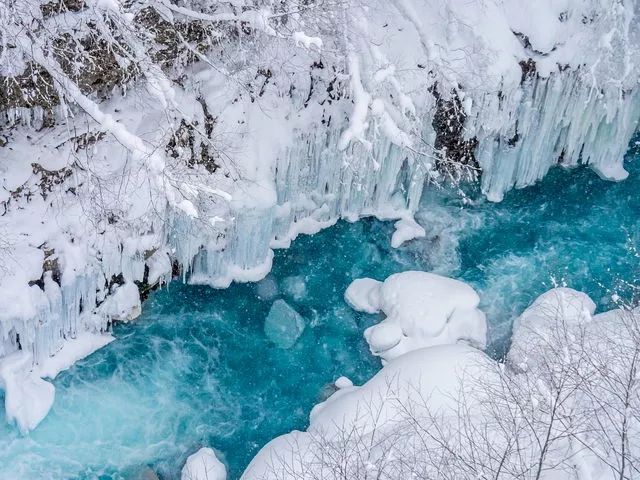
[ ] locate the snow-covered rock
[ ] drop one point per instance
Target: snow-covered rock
(283, 325)
(428, 378)
(406, 229)
(203, 465)
(548, 323)
(433, 374)
(422, 309)
(123, 305)
(363, 295)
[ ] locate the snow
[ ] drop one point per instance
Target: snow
(363, 295)
(292, 165)
(283, 325)
(553, 311)
(124, 304)
(74, 349)
(406, 229)
(343, 382)
(203, 465)
(358, 124)
(422, 309)
(431, 373)
(27, 398)
(430, 376)
(301, 39)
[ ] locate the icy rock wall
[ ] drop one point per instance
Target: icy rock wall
(63, 312)
(314, 188)
(520, 136)
(550, 121)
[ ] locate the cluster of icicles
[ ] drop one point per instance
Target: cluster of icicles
(520, 135)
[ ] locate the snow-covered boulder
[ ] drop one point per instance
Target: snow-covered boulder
(203, 465)
(422, 309)
(406, 229)
(283, 325)
(424, 382)
(363, 295)
(124, 304)
(548, 323)
(424, 377)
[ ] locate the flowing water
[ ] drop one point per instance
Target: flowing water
(197, 369)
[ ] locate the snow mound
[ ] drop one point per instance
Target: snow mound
(426, 379)
(551, 315)
(406, 229)
(283, 325)
(363, 295)
(422, 309)
(431, 374)
(203, 465)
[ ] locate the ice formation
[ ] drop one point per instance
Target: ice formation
(509, 88)
(283, 325)
(422, 309)
(203, 465)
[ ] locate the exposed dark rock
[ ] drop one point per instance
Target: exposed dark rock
(448, 122)
(528, 68)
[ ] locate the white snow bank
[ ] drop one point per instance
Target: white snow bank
(27, 398)
(203, 465)
(73, 350)
(425, 378)
(548, 316)
(422, 309)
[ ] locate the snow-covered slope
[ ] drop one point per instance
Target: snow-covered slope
(202, 162)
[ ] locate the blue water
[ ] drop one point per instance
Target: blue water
(196, 369)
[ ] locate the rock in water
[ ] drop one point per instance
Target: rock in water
(283, 324)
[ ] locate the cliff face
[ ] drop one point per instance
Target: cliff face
(141, 141)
